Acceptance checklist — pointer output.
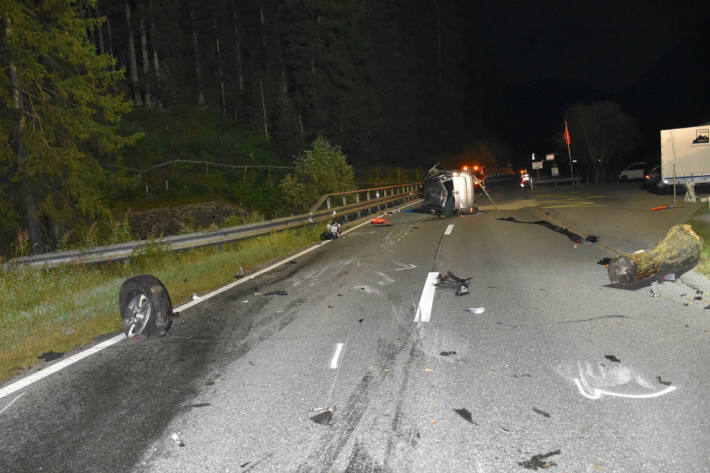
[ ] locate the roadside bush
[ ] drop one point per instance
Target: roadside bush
(323, 169)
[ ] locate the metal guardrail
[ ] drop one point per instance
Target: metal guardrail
(101, 254)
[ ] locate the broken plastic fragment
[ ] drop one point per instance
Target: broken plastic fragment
(666, 383)
(462, 290)
(465, 413)
(380, 221)
(669, 277)
(176, 438)
(655, 292)
(195, 297)
(476, 310)
(325, 417)
(604, 261)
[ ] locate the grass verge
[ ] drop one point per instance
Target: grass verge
(64, 308)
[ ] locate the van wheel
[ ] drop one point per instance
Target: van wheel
(145, 306)
(624, 179)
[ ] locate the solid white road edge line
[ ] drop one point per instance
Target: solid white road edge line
(449, 229)
(427, 299)
(24, 382)
(335, 361)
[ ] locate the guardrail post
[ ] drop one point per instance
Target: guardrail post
(327, 201)
(357, 200)
(345, 201)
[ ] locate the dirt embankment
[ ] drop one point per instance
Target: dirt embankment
(152, 223)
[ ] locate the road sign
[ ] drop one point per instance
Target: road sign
(537, 165)
(550, 157)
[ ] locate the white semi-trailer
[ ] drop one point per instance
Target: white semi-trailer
(685, 155)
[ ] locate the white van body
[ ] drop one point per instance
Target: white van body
(685, 155)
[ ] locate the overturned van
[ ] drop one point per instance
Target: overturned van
(447, 192)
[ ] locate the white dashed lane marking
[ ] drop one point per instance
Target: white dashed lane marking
(427, 299)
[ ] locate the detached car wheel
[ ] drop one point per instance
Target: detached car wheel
(145, 306)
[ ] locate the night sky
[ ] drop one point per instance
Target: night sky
(650, 57)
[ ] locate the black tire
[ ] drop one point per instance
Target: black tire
(145, 306)
(624, 179)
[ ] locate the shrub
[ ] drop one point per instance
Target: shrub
(323, 169)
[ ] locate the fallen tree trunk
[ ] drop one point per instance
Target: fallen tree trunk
(678, 252)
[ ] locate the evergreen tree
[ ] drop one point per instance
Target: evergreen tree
(60, 117)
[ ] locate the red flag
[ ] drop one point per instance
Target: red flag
(567, 138)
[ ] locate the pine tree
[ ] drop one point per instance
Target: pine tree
(59, 118)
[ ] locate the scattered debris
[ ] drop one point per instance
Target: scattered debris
(195, 297)
(604, 261)
(524, 375)
(662, 207)
(699, 291)
(427, 370)
(504, 429)
(330, 306)
(325, 416)
(360, 321)
(542, 413)
(332, 231)
(415, 228)
(380, 222)
(655, 290)
(476, 310)
(202, 404)
(293, 261)
(612, 358)
(698, 298)
(50, 355)
(536, 461)
(450, 279)
(244, 464)
(669, 277)
(241, 273)
(678, 252)
(276, 293)
(463, 412)
(209, 382)
(665, 383)
(176, 438)
(433, 421)
(571, 235)
(447, 353)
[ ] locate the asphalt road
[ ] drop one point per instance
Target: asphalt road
(559, 371)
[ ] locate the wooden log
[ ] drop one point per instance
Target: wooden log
(678, 252)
